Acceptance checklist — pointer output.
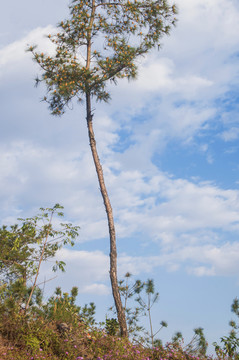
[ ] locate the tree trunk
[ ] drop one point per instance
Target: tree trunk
(109, 212)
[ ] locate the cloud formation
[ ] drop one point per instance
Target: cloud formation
(183, 95)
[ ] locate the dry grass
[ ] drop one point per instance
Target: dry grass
(4, 346)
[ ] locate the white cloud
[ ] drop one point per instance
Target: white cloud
(97, 289)
(217, 31)
(167, 205)
(161, 76)
(44, 176)
(231, 134)
(151, 203)
(170, 72)
(180, 84)
(13, 57)
(88, 270)
(173, 99)
(206, 260)
(136, 265)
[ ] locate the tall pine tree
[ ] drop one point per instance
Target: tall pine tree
(98, 43)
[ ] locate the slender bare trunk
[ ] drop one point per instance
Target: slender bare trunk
(109, 212)
(150, 321)
(105, 196)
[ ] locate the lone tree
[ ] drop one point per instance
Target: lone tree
(98, 43)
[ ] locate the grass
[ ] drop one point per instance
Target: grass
(41, 339)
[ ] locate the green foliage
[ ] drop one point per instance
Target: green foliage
(198, 345)
(230, 343)
(88, 314)
(100, 42)
(146, 302)
(50, 329)
(177, 337)
(235, 306)
(100, 347)
(62, 308)
(229, 346)
(23, 248)
(128, 290)
(38, 336)
(112, 326)
(144, 297)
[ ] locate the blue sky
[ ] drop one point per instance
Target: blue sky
(169, 147)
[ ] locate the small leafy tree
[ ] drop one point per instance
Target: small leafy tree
(198, 345)
(62, 308)
(143, 294)
(128, 289)
(111, 326)
(230, 343)
(146, 304)
(24, 247)
(177, 338)
(100, 43)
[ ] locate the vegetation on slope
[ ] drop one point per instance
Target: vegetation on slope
(61, 329)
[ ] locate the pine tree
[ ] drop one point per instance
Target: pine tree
(97, 44)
